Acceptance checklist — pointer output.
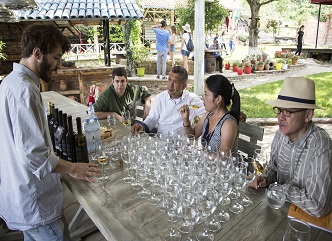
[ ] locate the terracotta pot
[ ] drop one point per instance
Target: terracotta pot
(235, 68)
(260, 67)
(247, 70)
(294, 62)
(63, 85)
(227, 66)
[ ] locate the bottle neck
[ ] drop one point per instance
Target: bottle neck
(79, 125)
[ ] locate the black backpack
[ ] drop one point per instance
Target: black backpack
(190, 44)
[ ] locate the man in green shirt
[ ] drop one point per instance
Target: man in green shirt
(121, 95)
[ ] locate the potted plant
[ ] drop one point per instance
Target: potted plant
(140, 54)
(227, 66)
(279, 63)
(239, 71)
(235, 66)
(294, 59)
(285, 64)
(247, 68)
(260, 65)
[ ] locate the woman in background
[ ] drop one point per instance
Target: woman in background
(299, 41)
(218, 126)
(184, 51)
(172, 45)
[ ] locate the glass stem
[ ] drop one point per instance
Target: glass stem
(102, 170)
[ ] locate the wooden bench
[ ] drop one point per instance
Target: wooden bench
(278, 38)
(249, 135)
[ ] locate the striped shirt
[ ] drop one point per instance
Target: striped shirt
(304, 168)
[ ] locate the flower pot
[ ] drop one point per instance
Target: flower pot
(284, 66)
(140, 72)
(260, 67)
(235, 68)
(266, 66)
(239, 71)
(278, 66)
(247, 70)
(227, 66)
(294, 61)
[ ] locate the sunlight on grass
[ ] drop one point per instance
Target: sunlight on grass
(253, 100)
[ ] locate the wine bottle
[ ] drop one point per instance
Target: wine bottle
(55, 129)
(80, 143)
(70, 141)
(51, 124)
(63, 138)
(59, 133)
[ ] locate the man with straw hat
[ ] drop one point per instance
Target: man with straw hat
(301, 152)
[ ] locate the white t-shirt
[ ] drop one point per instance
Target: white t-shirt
(185, 36)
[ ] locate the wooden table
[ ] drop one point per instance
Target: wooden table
(120, 214)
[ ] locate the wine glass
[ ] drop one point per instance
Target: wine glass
(126, 120)
(297, 230)
(249, 174)
(195, 103)
(261, 159)
(125, 154)
(102, 159)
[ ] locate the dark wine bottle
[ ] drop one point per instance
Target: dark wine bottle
(55, 132)
(70, 141)
(59, 133)
(51, 124)
(80, 143)
(63, 138)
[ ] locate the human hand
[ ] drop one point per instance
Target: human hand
(136, 128)
(184, 112)
(259, 181)
(85, 171)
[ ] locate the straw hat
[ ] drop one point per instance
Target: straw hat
(186, 28)
(296, 92)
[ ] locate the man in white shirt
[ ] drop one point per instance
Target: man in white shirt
(164, 114)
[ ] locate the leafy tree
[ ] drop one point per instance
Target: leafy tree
(215, 14)
(116, 35)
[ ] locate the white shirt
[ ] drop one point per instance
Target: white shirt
(164, 113)
(30, 194)
(186, 37)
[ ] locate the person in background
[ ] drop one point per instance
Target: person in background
(185, 53)
(218, 127)
(223, 41)
(216, 37)
(208, 39)
(162, 46)
(120, 96)
(301, 152)
(164, 114)
(231, 44)
(299, 41)
(217, 55)
(172, 45)
(30, 191)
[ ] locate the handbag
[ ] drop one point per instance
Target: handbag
(190, 44)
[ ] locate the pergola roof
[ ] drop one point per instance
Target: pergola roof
(165, 4)
(81, 9)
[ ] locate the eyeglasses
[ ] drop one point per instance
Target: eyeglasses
(285, 112)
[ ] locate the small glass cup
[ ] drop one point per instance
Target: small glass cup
(275, 196)
(297, 230)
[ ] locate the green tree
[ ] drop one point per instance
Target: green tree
(215, 14)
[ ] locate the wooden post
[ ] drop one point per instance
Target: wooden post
(199, 37)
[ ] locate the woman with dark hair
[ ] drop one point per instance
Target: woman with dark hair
(218, 126)
(299, 41)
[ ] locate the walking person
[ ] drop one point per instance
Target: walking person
(184, 51)
(172, 45)
(31, 194)
(162, 46)
(299, 41)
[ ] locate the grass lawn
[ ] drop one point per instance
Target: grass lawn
(253, 100)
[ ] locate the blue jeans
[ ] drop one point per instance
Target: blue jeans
(161, 60)
(55, 231)
(185, 53)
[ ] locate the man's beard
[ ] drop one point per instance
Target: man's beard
(45, 70)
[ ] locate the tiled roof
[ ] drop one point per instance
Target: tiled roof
(165, 4)
(82, 9)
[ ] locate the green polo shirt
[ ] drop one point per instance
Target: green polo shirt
(109, 101)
